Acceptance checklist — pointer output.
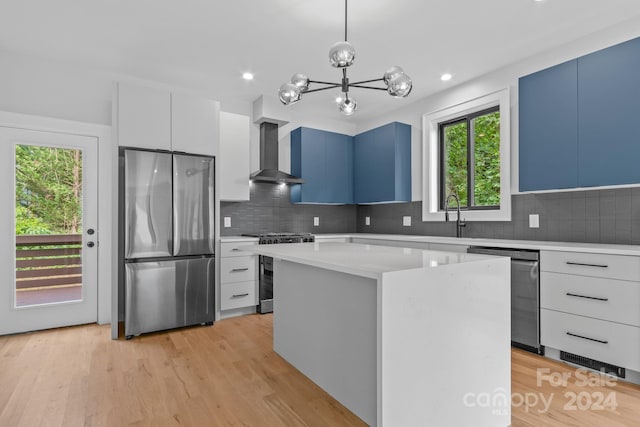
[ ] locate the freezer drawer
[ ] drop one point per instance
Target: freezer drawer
(168, 294)
(193, 205)
(147, 209)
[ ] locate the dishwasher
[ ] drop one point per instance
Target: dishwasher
(525, 295)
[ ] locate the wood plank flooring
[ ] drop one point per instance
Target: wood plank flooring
(224, 375)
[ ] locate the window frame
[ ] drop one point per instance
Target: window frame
(468, 119)
(431, 167)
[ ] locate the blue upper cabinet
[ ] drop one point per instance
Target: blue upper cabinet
(325, 161)
(578, 121)
(339, 169)
(382, 164)
(609, 107)
(548, 124)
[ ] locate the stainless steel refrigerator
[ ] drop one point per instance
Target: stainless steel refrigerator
(168, 240)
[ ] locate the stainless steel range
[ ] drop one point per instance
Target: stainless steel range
(265, 279)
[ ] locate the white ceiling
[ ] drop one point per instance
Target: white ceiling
(207, 44)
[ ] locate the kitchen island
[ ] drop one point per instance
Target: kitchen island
(400, 336)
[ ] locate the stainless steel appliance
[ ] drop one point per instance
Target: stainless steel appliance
(269, 171)
(265, 276)
(525, 295)
(167, 240)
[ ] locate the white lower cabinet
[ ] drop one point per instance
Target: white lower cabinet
(237, 295)
(590, 306)
(237, 269)
(238, 276)
(605, 299)
(596, 339)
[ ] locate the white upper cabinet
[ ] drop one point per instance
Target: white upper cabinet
(143, 116)
(194, 124)
(234, 157)
(147, 117)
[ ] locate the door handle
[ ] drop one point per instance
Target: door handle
(91, 244)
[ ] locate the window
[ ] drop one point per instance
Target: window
(466, 152)
(470, 159)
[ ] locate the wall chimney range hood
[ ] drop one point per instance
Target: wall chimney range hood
(269, 158)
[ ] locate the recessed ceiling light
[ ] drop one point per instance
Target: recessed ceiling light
(445, 77)
(247, 76)
(338, 99)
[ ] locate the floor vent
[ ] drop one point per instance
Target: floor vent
(593, 364)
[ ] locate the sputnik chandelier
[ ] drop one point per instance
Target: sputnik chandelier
(341, 55)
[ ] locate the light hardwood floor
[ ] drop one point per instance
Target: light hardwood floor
(224, 375)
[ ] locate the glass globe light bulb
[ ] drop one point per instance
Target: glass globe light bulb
(289, 93)
(400, 86)
(301, 81)
(348, 106)
(391, 73)
(342, 54)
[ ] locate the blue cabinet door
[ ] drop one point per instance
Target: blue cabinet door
(339, 167)
(609, 107)
(548, 125)
(325, 161)
(382, 164)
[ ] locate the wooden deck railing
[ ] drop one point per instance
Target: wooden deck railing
(48, 260)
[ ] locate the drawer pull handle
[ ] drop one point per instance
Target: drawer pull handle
(587, 297)
(235, 250)
(237, 270)
(587, 265)
(587, 338)
(240, 295)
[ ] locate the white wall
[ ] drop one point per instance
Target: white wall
(491, 82)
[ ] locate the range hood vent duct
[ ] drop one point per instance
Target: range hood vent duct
(269, 158)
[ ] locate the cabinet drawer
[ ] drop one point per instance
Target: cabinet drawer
(606, 299)
(236, 295)
(596, 265)
(232, 249)
(616, 344)
(238, 269)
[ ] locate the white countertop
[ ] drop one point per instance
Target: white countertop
(231, 239)
(362, 260)
(502, 243)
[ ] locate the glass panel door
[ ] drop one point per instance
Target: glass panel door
(48, 258)
(48, 225)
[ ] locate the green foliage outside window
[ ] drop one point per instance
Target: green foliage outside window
(48, 190)
(485, 170)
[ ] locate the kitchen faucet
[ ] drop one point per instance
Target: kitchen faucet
(459, 224)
